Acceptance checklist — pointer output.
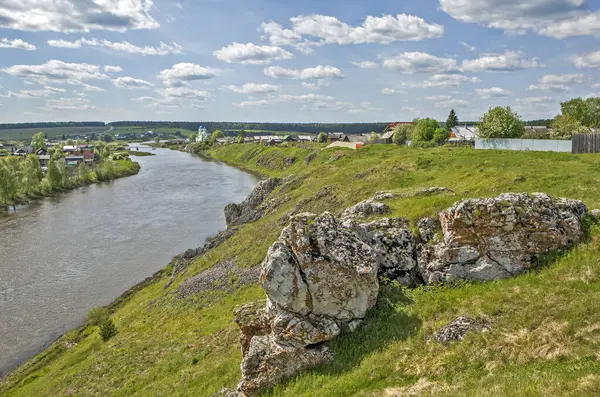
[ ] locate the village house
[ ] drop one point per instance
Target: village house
(41, 151)
(463, 134)
(44, 159)
(23, 151)
(337, 136)
(70, 149)
(74, 160)
(306, 138)
(358, 139)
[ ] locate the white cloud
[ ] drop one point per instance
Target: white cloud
(468, 46)
(452, 103)
(179, 74)
(131, 83)
(112, 69)
(251, 54)
(175, 97)
(179, 5)
(318, 72)
(124, 46)
(557, 83)
(315, 86)
(279, 36)
(507, 62)
(17, 44)
(494, 92)
(253, 88)
(385, 29)
(420, 62)
(438, 98)
(76, 15)
(70, 104)
(554, 18)
(34, 94)
(58, 72)
(589, 60)
(388, 91)
(365, 64)
(247, 104)
(447, 81)
(531, 100)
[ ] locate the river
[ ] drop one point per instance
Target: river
(63, 255)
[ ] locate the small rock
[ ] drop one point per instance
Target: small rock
(434, 191)
(457, 329)
(384, 196)
(428, 228)
(365, 209)
(520, 178)
(595, 214)
(189, 254)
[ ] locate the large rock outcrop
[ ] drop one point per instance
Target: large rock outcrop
(323, 272)
(249, 211)
(492, 238)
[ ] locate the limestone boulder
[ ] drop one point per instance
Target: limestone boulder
(492, 238)
(302, 273)
(267, 363)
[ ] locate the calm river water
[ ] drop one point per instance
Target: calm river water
(63, 255)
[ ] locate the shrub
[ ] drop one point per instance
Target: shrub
(108, 329)
(441, 135)
(97, 315)
(424, 130)
(501, 122)
(322, 137)
(402, 133)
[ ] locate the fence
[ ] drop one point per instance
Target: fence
(586, 143)
(541, 145)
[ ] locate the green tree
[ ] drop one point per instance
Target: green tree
(322, 137)
(32, 174)
(9, 178)
(107, 138)
(563, 127)
(108, 329)
(402, 133)
(157, 140)
(452, 120)
(501, 122)
(83, 173)
(216, 134)
(241, 136)
(424, 130)
(54, 177)
(586, 112)
(441, 135)
(69, 142)
(38, 141)
(97, 315)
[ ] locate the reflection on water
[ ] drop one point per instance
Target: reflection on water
(63, 255)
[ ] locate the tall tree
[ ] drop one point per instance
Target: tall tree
(452, 120)
(32, 174)
(501, 122)
(38, 141)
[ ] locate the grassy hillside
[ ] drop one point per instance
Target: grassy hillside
(546, 324)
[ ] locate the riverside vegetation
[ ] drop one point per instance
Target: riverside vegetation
(21, 179)
(178, 337)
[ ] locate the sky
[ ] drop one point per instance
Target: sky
(293, 61)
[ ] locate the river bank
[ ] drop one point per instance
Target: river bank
(178, 336)
(113, 236)
(121, 169)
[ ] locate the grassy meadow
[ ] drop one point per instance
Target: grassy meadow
(545, 339)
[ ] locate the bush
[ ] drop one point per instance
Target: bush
(501, 122)
(441, 135)
(402, 133)
(322, 137)
(424, 130)
(563, 127)
(108, 329)
(97, 315)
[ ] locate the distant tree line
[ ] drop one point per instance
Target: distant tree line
(232, 128)
(53, 125)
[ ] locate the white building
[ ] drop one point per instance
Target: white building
(202, 134)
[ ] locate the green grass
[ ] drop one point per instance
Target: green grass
(25, 134)
(546, 324)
